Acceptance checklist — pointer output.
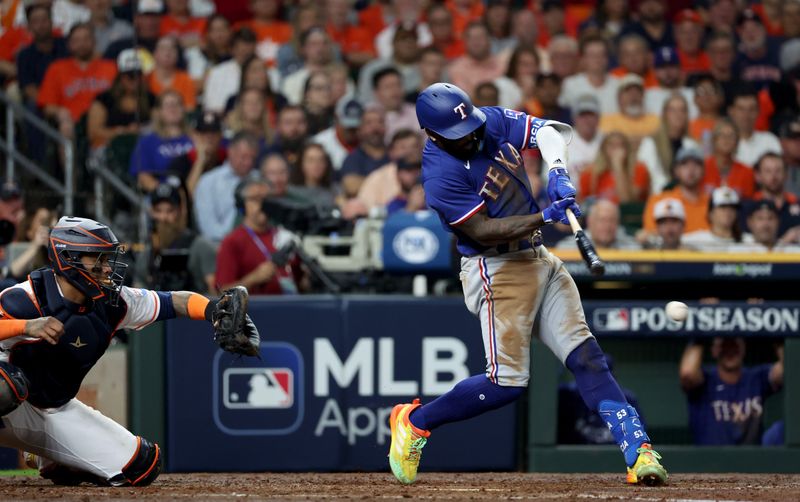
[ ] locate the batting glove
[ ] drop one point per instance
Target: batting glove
(559, 185)
(557, 211)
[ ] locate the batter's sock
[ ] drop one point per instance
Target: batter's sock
(469, 398)
(601, 392)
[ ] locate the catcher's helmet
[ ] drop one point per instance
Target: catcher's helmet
(449, 117)
(74, 237)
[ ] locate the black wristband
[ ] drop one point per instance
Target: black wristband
(209, 312)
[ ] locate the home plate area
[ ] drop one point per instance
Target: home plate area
(429, 486)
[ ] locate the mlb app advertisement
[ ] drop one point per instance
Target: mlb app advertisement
(320, 395)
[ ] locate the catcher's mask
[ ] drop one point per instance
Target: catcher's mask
(73, 238)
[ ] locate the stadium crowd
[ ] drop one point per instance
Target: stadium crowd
(686, 114)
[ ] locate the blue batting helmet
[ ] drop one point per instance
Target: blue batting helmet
(447, 110)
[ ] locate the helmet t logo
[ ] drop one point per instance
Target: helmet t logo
(460, 109)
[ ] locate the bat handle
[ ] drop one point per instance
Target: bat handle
(573, 221)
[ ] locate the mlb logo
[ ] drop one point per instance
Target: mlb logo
(258, 388)
(259, 397)
(611, 319)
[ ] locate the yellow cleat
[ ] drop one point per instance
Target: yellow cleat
(407, 443)
(647, 470)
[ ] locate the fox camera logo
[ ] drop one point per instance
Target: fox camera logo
(258, 388)
(260, 397)
(611, 319)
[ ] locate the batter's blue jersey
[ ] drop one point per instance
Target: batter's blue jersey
(494, 178)
(723, 414)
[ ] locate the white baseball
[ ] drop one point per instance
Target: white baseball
(677, 311)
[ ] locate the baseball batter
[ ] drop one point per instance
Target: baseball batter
(53, 329)
(474, 178)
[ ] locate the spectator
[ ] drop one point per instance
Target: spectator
(12, 205)
(107, 28)
(603, 228)
(652, 24)
(411, 196)
(616, 175)
(70, 85)
(342, 138)
(275, 172)
(518, 85)
(178, 22)
(443, 35)
(317, 53)
(146, 31)
(341, 83)
(354, 41)
(388, 91)
(657, 151)
(726, 402)
(213, 49)
(770, 173)
(553, 20)
(721, 167)
(688, 27)
(724, 232)
(487, 94)
(431, 70)
(68, 14)
(175, 258)
(404, 59)
(478, 64)
(381, 185)
(305, 17)
(156, 150)
(670, 223)
(254, 76)
(465, 12)
(758, 55)
(406, 13)
(34, 60)
(708, 98)
(122, 109)
(610, 18)
(214, 205)
(247, 255)
(270, 30)
(545, 102)
(369, 155)
(594, 78)
(670, 79)
(743, 111)
(790, 143)
(224, 78)
(562, 52)
(313, 179)
(318, 102)
(29, 250)
(635, 57)
(722, 16)
(586, 141)
(687, 169)
(292, 131)
(207, 152)
(631, 120)
(166, 75)
(497, 17)
(249, 115)
(721, 49)
(790, 19)
(525, 30)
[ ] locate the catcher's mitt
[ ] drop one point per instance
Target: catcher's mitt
(234, 331)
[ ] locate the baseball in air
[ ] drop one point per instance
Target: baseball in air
(677, 311)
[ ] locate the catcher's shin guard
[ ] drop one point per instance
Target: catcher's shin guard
(143, 468)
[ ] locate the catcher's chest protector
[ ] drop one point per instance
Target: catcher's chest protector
(55, 372)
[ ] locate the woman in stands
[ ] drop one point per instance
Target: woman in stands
(215, 47)
(314, 175)
(167, 76)
(254, 76)
(249, 114)
(658, 150)
(156, 150)
(615, 175)
(318, 102)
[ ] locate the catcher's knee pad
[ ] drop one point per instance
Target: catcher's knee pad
(13, 388)
(143, 468)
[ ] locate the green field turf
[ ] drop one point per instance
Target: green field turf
(19, 472)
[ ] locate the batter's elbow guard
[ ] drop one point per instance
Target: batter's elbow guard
(13, 388)
(143, 468)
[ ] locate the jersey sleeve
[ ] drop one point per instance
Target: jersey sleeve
(519, 128)
(145, 307)
(453, 199)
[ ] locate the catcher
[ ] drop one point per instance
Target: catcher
(53, 329)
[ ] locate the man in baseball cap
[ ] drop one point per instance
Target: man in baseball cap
(632, 119)
(763, 220)
(586, 140)
(207, 151)
(758, 56)
(670, 222)
(723, 217)
(342, 138)
(790, 143)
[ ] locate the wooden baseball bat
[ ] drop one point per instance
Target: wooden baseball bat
(590, 257)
